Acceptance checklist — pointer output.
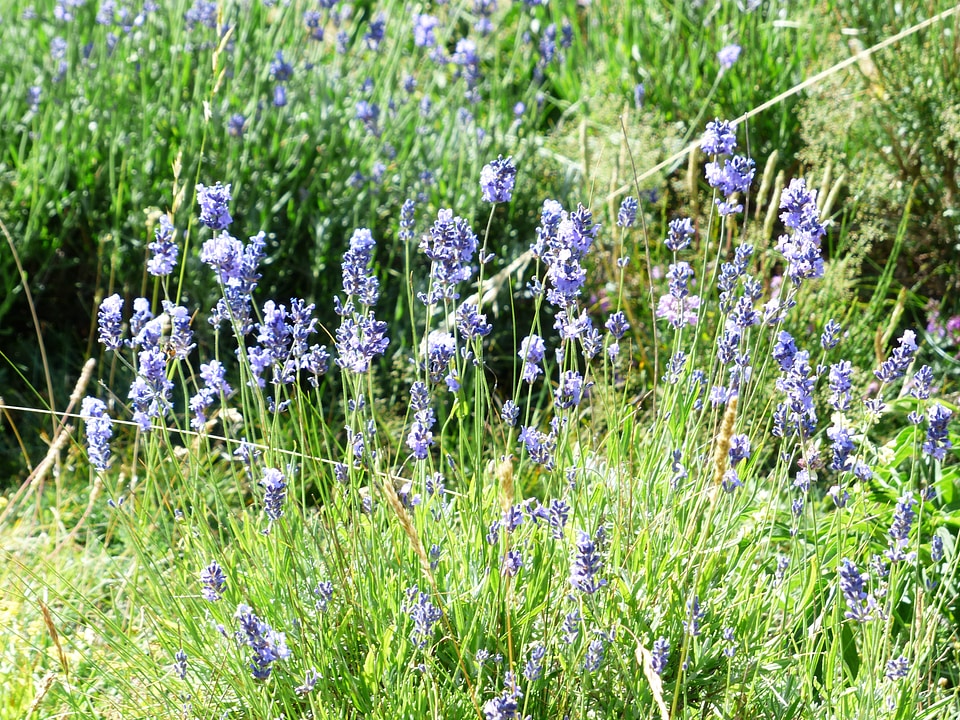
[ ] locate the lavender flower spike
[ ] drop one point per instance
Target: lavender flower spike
(496, 180)
(213, 205)
(99, 429)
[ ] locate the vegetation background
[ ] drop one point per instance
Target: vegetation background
(325, 117)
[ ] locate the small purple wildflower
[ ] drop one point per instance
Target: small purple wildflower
(739, 448)
(180, 664)
(164, 250)
(718, 139)
(213, 580)
(510, 413)
(731, 645)
(539, 446)
(423, 27)
(839, 383)
(586, 565)
(213, 202)
(897, 669)
(627, 214)
(903, 518)
(497, 179)
(594, 656)
(660, 655)
(936, 549)
(421, 435)
(679, 233)
(831, 335)
(99, 430)
(533, 669)
(571, 626)
(267, 645)
(512, 562)
(109, 317)
(532, 350)
(309, 683)
(937, 441)
(785, 350)
(860, 605)
(695, 614)
(617, 324)
(424, 615)
(901, 357)
(728, 56)
(275, 488)
(450, 247)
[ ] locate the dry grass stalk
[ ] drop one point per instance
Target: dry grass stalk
(722, 447)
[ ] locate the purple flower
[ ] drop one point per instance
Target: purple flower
(798, 414)
(679, 232)
(562, 242)
(897, 669)
(842, 447)
(275, 492)
(163, 250)
(898, 362)
(150, 392)
(570, 391)
(99, 430)
(739, 449)
(937, 442)
(839, 383)
(695, 614)
(424, 615)
(728, 56)
(213, 202)
(532, 349)
(423, 27)
(471, 323)
(903, 518)
(831, 335)
(627, 215)
(266, 644)
(180, 342)
(617, 324)
(785, 350)
(860, 605)
(450, 247)
(679, 312)
(719, 138)
(310, 680)
(510, 413)
(109, 317)
(235, 125)
(369, 113)
(280, 69)
(533, 669)
(586, 565)
(512, 562)
(734, 176)
(496, 180)
(660, 655)
(420, 437)
(731, 649)
(407, 220)
(936, 549)
(375, 32)
(539, 446)
(213, 580)
(801, 248)
(594, 656)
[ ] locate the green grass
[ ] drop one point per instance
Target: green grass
(102, 566)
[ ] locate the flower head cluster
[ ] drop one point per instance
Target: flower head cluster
(360, 337)
(627, 214)
(728, 55)
(237, 268)
(695, 615)
(497, 179)
(594, 657)
(213, 581)
(163, 249)
(660, 655)
(719, 138)
(734, 176)
(797, 415)
(937, 442)
(679, 233)
(267, 645)
(109, 318)
(213, 202)
(587, 564)
(275, 492)
(839, 383)
(506, 705)
(801, 248)
(539, 446)
(424, 615)
(358, 282)
(450, 247)
(99, 430)
(853, 583)
(471, 323)
(900, 530)
(562, 242)
(423, 27)
(151, 390)
(531, 351)
(421, 434)
(283, 347)
(901, 357)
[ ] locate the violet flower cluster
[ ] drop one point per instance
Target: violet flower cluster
(361, 337)
(99, 430)
(266, 645)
